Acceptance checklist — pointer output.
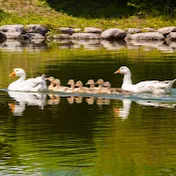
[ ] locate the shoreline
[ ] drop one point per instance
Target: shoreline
(90, 37)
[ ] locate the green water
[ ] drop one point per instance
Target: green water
(55, 134)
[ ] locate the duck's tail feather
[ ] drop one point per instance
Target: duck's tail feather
(171, 83)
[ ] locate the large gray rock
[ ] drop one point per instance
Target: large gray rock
(37, 28)
(171, 36)
(146, 36)
(113, 33)
(12, 31)
(85, 36)
(92, 30)
(66, 30)
(167, 30)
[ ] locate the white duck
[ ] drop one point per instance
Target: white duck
(31, 84)
(155, 87)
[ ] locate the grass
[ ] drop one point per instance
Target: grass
(38, 11)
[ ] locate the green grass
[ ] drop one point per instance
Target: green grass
(38, 11)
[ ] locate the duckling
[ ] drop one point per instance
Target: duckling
(79, 87)
(58, 87)
(70, 82)
(91, 83)
(51, 80)
(106, 89)
(100, 83)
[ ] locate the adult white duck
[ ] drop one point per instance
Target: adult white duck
(31, 84)
(154, 86)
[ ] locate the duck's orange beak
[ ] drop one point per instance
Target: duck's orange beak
(12, 74)
(12, 107)
(118, 71)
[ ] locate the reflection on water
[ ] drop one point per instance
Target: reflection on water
(66, 134)
(37, 45)
(23, 99)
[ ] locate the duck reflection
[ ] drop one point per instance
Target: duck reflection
(53, 99)
(125, 110)
(23, 99)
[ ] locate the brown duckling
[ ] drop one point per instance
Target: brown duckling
(79, 87)
(70, 82)
(51, 80)
(100, 83)
(58, 87)
(91, 83)
(106, 89)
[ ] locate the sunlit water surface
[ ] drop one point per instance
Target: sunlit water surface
(57, 134)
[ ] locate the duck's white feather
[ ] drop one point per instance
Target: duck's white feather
(31, 84)
(154, 86)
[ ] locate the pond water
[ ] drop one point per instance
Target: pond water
(58, 134)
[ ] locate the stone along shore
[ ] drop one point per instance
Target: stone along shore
(37, 31)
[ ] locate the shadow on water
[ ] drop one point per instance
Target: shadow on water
(93, 8)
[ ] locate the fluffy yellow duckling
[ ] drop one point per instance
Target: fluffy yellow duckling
(58, 87)
(79, 87)
(70, 82)
(51, 80)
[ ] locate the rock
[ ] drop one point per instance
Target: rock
(12, 31)
(31, 36)
(133, 30)
(171, 36)
(145, 36)
(2, 37)
(147, 29)
(166, 30)
(92, 30)
(66, 30)
(113, 33)
(37, 28)
(85, 36)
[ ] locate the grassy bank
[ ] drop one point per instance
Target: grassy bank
(39, 11)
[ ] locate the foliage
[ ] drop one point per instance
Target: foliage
(103, 14)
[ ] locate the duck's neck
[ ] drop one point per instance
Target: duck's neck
(127, 79)
(22, 78)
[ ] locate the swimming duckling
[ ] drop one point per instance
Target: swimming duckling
(100, 83)
(70, 82)
(51, 80)
(79, 87)
(58, 87)
(91, 83)
(91, 89)
(106, 89)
